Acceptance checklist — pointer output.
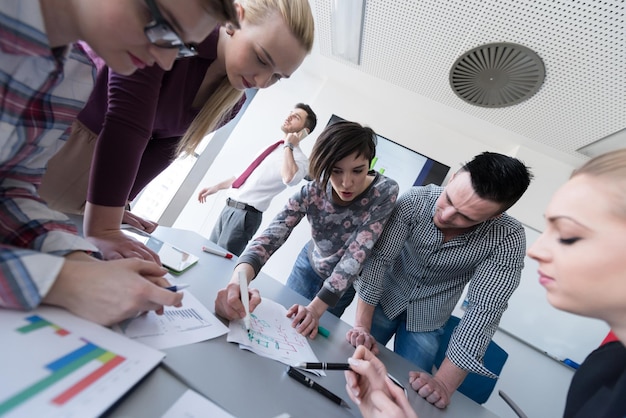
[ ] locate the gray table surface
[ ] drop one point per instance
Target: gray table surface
(248, 385)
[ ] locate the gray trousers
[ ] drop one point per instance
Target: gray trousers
(234, 228)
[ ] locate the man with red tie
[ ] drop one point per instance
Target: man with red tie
(282, 164)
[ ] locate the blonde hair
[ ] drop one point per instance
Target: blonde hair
(298, 17)
(610, 166)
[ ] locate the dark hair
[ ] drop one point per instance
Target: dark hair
(311, 118)
(336, 142)
(499, 178)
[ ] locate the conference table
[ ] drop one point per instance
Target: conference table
(246, 384)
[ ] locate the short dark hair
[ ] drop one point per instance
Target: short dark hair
(336, 142)
(311, 118)
(499, 178)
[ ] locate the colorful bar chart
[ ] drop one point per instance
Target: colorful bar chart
(63, 366)
(55, 364)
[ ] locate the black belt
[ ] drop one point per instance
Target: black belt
(240, 205)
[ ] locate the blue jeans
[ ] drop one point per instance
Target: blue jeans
(304, 280)
(418, 347)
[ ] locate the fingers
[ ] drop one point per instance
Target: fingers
(147, 268)
(362, 353)
(139, 222)
(357, 336)
(255, 299)
(350, 389)
(131, 220)
(138, 250)
(303, 320)
(115, 245)
(429, 388)
(374, 349)
(149, 226)
(158, 297)
(364, 363)
(228, 303)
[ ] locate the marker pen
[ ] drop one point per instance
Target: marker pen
(245, 298)
(571, 363)
(323, 331)
(215, 251)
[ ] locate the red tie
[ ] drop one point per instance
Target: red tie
(244, 176)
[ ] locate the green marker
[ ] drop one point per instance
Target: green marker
(323, 332)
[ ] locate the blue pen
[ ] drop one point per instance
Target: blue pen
(177, 287)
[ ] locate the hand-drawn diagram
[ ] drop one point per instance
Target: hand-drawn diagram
(271, 335)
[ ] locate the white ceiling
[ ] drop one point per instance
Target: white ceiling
(413, 44)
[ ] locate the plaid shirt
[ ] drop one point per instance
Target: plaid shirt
(411, 269)
(41, 92)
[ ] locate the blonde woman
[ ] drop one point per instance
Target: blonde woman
(141, 123)
(583, 268)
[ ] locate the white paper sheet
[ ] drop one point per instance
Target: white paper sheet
(272, 336)
(188, 324)
(193, 405)
(55, 364)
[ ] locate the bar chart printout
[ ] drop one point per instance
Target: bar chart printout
(57, 365)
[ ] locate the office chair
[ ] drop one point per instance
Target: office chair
(518, 411)
(475, 386)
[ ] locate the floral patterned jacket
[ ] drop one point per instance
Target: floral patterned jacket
(342, 236)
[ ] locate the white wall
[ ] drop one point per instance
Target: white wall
(536, 382)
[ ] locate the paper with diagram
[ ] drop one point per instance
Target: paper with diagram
(188, 324)
(271, 335)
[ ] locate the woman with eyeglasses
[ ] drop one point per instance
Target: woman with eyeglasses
(137, 125)
(583, 269)
(45, 79)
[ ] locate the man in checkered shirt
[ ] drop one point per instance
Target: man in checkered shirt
(436, 241)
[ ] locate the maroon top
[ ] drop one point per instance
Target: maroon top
(148, 112)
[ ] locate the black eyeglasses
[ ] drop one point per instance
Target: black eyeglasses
(161, 34)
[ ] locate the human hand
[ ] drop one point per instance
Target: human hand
(294, 138)
(204, 193)
(228, 301)
(369, 387)
(115, 245)
(430, 388)
(108, 292)
(360, 336)
(139, 222)
(305, 320)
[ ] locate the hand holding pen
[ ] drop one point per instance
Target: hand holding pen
(228, 303)
(369, 386)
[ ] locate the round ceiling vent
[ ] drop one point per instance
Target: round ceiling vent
(497, 75)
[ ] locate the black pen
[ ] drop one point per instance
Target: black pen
(306, 381)
(324, 366)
